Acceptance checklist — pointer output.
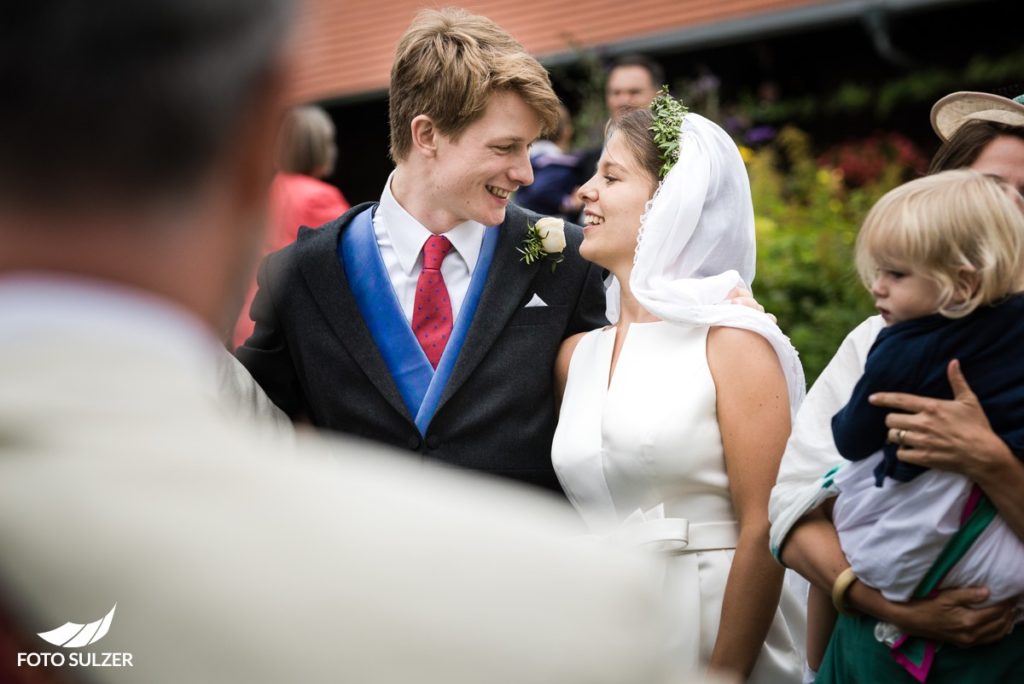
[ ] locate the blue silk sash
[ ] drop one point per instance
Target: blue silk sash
(418, 383)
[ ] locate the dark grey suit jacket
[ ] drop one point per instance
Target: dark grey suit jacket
(313, 354)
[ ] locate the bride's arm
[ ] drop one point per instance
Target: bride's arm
(753, 416)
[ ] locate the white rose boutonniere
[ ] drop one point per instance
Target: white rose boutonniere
(552, 234)
(546, 238)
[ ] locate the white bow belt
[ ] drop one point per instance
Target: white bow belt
(673, 535)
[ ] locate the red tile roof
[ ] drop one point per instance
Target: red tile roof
(346, 46)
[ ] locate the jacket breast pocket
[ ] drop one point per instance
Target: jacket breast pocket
(540, 315)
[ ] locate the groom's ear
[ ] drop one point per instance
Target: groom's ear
(424, 135)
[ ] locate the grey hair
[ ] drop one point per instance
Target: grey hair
(126, 99)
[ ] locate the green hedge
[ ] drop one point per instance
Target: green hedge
(807, 222)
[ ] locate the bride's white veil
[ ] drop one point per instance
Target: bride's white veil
(697, 243)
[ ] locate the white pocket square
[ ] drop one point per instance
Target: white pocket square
(535, 301)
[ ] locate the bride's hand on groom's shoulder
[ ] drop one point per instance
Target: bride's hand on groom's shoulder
(744, 297)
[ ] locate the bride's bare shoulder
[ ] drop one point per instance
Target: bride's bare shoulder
(739, 353)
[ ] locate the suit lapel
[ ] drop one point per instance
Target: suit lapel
(507, 284)
(329, 287)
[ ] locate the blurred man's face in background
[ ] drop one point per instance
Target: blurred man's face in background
(629, 87)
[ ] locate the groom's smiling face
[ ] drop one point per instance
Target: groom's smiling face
(474, 174)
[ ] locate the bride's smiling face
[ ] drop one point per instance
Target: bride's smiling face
(613, 202)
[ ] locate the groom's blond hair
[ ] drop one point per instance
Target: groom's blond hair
(448, 64)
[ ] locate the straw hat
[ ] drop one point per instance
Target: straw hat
(956, 109)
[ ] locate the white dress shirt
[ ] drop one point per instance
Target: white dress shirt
(39, 307)
(400, 238)
(122, 481)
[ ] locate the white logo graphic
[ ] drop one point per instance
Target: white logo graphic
(73, 635)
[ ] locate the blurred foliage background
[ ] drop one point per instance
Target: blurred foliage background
(807, 218)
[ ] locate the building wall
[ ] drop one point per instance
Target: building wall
(798, 64)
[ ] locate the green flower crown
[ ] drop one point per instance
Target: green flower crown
(668, 118)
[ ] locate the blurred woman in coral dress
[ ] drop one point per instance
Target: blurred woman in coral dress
(298, 196)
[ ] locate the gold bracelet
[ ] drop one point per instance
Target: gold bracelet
(839, 589)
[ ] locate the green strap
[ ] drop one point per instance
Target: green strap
(957, 546)
(915, 648)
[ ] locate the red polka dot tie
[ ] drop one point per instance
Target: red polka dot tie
(432, 312)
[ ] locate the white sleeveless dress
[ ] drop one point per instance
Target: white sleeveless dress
(642, 461)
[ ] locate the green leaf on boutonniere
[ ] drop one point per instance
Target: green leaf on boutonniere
(533, 250)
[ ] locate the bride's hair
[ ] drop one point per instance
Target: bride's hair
(634, 129)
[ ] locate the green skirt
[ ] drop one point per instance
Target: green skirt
(854, 656)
